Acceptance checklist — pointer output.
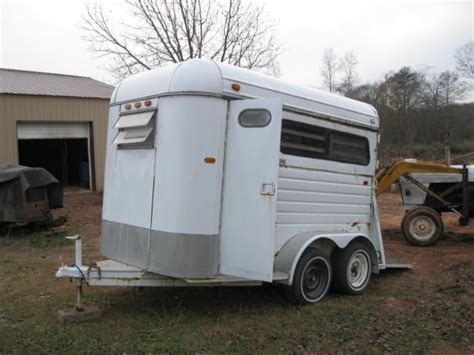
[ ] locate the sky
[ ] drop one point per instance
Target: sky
(44, 35)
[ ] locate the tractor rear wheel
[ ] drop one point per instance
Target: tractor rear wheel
(422, 226)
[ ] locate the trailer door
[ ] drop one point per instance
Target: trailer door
(250, 186)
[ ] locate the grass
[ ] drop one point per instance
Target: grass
(236, 320)
(36, 238)
(428, 309)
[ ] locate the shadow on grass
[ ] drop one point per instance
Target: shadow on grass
(199, 301)
(212, 301)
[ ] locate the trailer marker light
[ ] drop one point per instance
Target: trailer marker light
(235, 86)
(209, 160)
(128, 107)
(138, 104)
(147, 102)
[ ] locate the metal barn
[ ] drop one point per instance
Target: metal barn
(54, 121)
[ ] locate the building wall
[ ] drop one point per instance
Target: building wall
(15, 108)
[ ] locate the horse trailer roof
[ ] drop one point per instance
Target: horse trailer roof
(216, 78)
(22, 82)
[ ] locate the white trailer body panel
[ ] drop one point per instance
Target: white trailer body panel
(187, 194)
(130, 206)
(127, 203)
(183, 178)
(323, 196)
(247, 238)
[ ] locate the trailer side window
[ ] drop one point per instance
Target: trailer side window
(304, 140)
(135, 130)
(254, 118)
(309, 141)
(349, 148)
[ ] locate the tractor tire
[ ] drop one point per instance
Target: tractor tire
(422, 226)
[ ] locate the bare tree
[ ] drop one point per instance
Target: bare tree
(329, 69)
(444, 89)
(348, 66)
(433, 91)
(170, 31)
(452, 89)
(464, 57)
(372, 93)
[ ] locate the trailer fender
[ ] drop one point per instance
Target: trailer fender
(288, 256)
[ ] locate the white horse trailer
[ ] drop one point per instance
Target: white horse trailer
(217, 175)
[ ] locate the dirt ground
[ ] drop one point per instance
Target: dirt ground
(429, 309)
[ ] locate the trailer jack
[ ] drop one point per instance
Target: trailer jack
(79, 313)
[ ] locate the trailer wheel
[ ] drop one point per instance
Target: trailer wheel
(422, 226)
(352, 269)
(312, 278)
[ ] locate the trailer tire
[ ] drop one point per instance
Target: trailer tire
(312, 278)
(422, 226)
(352, 269)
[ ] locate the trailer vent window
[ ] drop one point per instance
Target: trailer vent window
(135, 120)
(254, 118)
(349, 148)
(304, 140)
(135, 130)
(309, 141)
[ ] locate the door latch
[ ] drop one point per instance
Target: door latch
(268, 188)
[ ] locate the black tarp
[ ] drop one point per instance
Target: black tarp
(15, 180)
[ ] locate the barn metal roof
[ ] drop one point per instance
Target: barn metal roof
(22, 82)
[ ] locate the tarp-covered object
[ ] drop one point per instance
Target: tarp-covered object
(19, 186)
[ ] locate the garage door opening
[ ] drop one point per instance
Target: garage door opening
(62, 148)
(66, 159)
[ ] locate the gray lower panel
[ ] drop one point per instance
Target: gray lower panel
(170, 254)
(125, 243)
(183, 255)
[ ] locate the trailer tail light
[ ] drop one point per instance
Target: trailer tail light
(147, 103)
(235, 86)
(138, 104)
(128, 107)
(209, 160)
